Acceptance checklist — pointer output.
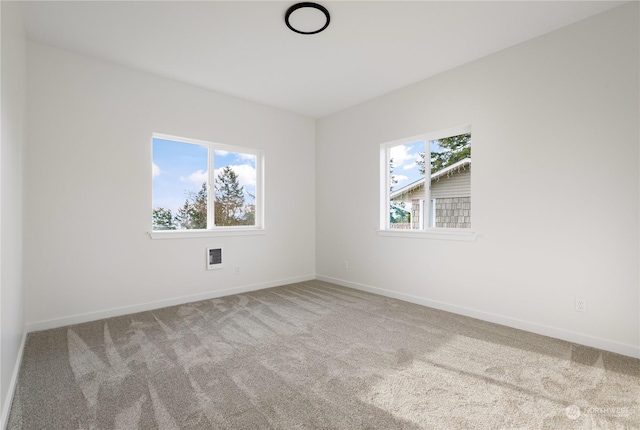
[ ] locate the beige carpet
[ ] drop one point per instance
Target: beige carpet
(316, 356)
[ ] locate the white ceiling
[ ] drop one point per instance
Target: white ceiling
(244, 49)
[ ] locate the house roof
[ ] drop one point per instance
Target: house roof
(454, 168)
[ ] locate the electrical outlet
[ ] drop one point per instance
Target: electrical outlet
(580, 305)
(345, 264)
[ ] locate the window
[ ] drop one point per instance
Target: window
(205, 186)
(427, 182)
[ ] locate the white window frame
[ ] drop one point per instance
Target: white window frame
(212, 230)
(432, 216)
(467, 235)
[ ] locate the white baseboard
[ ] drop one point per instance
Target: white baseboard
(4, 419)
(567, 335)
(125, 310)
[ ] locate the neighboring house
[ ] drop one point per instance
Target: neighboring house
(450, 199)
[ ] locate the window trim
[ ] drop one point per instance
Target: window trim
(219, 232)
(243, 230)
(453, 234)
(427, 232)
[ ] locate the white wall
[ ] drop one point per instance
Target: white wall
(555, 125)
(88, 191)
(12, 140)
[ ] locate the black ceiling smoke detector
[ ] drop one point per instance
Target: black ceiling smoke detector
(307, 18)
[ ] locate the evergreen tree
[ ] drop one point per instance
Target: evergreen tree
(163, 219)
(392, 178)
(250, 212)
(454, 149)
(395, 213)
(229, 199)
(230, 207)
(399, 213)
(193, 214)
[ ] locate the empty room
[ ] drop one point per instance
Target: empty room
(216, 215)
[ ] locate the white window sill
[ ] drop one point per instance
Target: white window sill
(437, 234)
(192, 234)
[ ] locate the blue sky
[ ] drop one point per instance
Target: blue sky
(405, 169)
(179, 168)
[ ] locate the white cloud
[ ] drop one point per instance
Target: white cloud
(198, 177)
(155, 170)
(400, 178)
(401, 157)
(236, 155)
(410, 166)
